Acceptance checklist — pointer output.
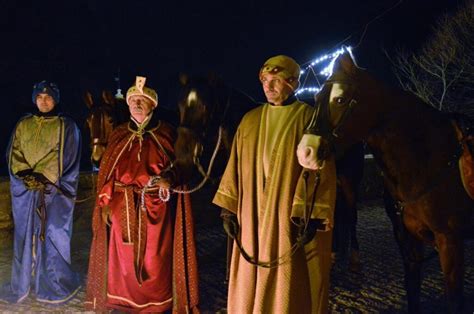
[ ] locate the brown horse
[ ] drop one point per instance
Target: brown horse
(209, 113)
(102, 119)
(418, 149)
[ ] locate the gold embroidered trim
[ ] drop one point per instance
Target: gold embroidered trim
(62, 300)
(135, 304)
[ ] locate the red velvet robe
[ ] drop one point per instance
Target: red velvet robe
(138, 272)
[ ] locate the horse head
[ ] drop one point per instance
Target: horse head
(344, 113)
(209, 112)
(198, 103)
(100, 123)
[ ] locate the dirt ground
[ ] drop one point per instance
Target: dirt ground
(376, 288)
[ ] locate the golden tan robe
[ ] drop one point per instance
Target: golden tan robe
(265, 209)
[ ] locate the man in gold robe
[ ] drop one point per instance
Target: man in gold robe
(282, 259)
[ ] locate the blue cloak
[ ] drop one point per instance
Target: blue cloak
(45, 265)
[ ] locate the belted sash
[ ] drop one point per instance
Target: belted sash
(133, 223)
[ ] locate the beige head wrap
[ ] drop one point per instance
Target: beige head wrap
(283, 66)
(140, 89)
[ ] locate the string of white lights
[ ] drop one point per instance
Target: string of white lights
(328, 60)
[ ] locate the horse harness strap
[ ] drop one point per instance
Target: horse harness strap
(319, 123)
(205, 174)
(402, 236)
(345, 115)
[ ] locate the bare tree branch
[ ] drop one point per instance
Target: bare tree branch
(442, 72)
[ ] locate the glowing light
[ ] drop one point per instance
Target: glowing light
(119, 94)
(325, 72)
(308, 89)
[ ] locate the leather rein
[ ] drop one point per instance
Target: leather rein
(206, 174)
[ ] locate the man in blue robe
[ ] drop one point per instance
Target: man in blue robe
(43, 161)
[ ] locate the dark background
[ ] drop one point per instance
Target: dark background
(82, 45)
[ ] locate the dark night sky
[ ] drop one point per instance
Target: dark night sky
(82, 44)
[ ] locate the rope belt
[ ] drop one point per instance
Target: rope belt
(133, 223)
(41, 211)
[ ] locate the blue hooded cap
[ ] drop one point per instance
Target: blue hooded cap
(48, 88)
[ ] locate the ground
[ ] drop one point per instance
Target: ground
(378, 287)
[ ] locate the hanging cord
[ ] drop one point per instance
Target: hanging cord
(41, 211)
(374, 19)
(299, 241)
(93, 193)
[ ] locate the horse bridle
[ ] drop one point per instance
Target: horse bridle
(102, 140)
(198, 151)
(320, 123)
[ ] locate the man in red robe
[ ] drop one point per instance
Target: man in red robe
(131, 266)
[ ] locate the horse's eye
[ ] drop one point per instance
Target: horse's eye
(340, 100)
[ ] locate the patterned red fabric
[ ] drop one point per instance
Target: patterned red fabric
(184, 261)
(127, 218)
(96, 293)
(186, 297)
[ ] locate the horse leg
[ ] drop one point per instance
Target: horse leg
(354, 259)
(412, 255)
(348, 204)
(339, 225)
(451, 255)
